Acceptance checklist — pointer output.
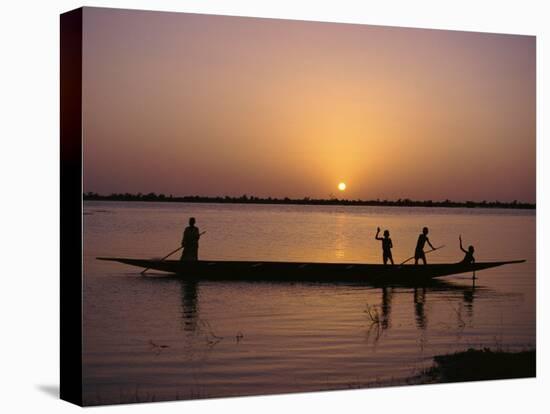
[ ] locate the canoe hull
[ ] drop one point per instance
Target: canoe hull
(294, 271)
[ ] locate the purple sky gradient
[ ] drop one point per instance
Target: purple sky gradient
(210, 105)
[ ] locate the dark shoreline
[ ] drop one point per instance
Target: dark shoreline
(308, 201)
(471, 365)
(481, 365)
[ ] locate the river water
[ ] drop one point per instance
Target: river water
(159, 337)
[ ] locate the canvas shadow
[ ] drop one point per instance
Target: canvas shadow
(50, 389)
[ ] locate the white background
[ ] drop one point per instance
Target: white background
(29, 226)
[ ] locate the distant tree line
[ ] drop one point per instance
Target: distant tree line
(245, 199)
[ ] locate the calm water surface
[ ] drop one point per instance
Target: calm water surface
(158, 337)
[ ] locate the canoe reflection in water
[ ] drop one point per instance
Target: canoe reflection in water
(419, 302)
(192, 322)
(189, 302)
(380, 320)
(386, 306)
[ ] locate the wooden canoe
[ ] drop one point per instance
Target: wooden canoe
(296, 271)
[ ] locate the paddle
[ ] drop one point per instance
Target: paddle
(429, 251)
(171, 253)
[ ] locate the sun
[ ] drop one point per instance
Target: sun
(342, 186)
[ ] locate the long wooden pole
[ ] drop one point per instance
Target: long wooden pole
(165, 257)
(170, 254)
(429, 251)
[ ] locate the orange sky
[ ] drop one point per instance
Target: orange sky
(212, 105)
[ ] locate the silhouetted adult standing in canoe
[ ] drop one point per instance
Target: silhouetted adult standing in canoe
(419, 251)
(469, 254)
(190, 242)
(387, 245)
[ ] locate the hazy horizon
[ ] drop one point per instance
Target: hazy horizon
(207, 105)
(338, 196)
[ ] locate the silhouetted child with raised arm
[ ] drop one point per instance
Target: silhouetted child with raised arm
(387, 245)
(419, 250)
(469, 254)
